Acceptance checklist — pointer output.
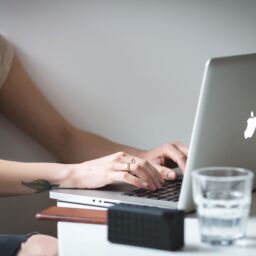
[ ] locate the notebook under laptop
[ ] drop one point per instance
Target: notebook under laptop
(223, 135)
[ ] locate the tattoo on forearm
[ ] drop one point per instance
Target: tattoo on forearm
(40, 185)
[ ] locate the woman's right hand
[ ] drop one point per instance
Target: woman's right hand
(119, 167)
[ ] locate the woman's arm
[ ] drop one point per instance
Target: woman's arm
(23, 104)
(18, 178)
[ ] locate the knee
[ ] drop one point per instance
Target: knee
(39, 245)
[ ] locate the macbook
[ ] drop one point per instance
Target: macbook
(224, 134)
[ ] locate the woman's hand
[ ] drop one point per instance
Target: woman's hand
(148, 172)
(166, 157)
(114, 168)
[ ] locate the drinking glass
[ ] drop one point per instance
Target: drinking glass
(223, 198)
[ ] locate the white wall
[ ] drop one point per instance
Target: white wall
(128, 70)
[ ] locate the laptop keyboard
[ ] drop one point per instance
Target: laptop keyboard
(170, 191)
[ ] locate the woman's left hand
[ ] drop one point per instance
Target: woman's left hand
(166, 157)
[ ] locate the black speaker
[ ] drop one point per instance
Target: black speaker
(146, 226)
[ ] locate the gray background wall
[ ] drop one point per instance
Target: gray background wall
(128, 70)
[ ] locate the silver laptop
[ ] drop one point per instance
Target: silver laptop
(223, 135)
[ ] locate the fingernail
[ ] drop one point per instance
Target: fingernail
(144, 184)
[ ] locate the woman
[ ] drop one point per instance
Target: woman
(86, 160)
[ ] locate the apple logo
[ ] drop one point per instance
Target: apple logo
(251, 126)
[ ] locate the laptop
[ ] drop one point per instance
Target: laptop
(223, 135)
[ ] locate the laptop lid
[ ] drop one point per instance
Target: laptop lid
(224, 126)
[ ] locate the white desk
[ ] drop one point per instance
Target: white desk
(77, 239)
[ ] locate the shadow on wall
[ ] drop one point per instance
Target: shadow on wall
(18, 214)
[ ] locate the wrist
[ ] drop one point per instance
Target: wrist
(65, 176)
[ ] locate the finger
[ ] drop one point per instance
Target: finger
(156, 172)
(125, 167)
(141, 171)
(166, 173)
(179, 173)
(134, 167)
(177, 156)
(157, 184)
(183, 148)
(122, 162)
(137, 167)
(146, 171)
(158, 180)
(144, 174)
(130, 179)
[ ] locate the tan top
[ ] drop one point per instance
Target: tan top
(6, 57)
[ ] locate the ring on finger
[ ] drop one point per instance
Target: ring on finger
(133, 161)
(131, 171)
(128, 167)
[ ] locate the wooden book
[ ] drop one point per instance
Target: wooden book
(66, 214)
